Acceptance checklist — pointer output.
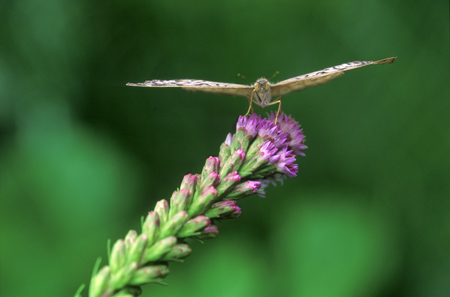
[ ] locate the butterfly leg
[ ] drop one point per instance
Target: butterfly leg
(279, 108)
(250, 107)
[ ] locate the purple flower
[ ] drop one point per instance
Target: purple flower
(295, 138)
(267, 152)
(285, 162)
(269, 131)
(262, 152)
(249, 125)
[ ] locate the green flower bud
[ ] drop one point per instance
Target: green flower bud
(225, 148)
(179, 201)
(254, 147)
(227, 183)
(151, 227)
(159, 249)
(130, 238)
(189, 183)
(224, 210)
(178, 252)
(149, 274)
(123, 276)
(203, 201)
(162, 209)
(137, 249)
(99, 283)
(244, 189)
(118, 256)
(211, 165)
(212, 179)
(209, 232)
(241, 140)
(174, 224)
(233, 163)
(192, 227)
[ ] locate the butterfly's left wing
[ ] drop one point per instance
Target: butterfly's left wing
(302, 82)
(199, 85)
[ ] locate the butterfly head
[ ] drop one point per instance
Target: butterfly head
(262, 94)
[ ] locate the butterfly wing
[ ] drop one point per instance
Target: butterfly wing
(302, 82)
(199, 85)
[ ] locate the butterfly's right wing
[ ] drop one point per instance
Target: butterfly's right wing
(199, 85)
(302, 82)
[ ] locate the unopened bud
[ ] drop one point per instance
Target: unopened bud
(174, 224)
(203, 201)
(192, 227)
(209, 232)
(159, 249)
(149, 274)
(151, 227)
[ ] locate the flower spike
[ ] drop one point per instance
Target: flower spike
(259, 153)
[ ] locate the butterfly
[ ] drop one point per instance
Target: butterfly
(262, 92)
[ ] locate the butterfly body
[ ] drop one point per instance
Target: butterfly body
(262, 92)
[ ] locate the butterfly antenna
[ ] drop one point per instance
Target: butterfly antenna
(275, 74)
(244, 77)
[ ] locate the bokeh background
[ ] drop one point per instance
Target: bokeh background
(83, 157)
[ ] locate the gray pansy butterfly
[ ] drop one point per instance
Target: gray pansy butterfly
(262, 92)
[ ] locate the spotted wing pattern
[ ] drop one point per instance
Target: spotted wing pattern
(199, 85)
(320, 77)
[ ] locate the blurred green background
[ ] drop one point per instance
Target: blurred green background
(83, 157)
